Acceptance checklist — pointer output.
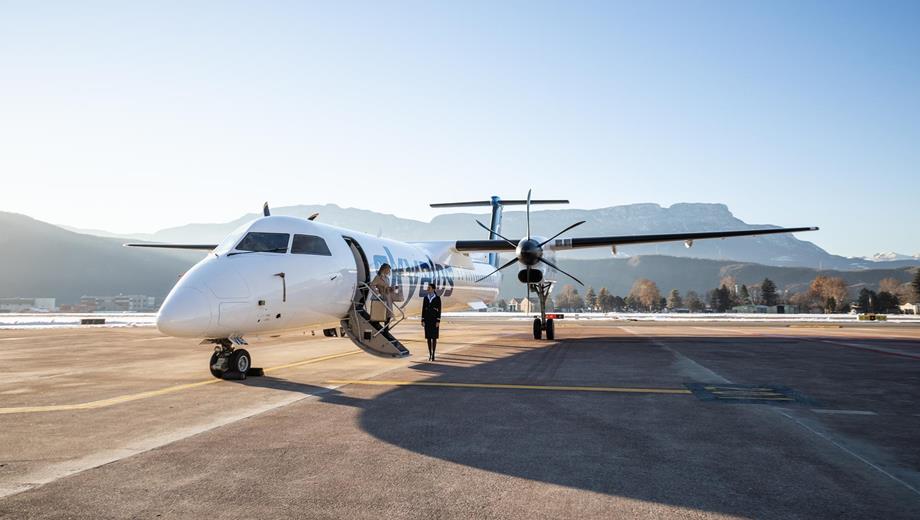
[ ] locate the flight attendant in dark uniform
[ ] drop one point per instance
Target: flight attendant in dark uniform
(431, 319)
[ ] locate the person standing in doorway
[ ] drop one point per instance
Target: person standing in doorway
(431, 319)
(381, 285)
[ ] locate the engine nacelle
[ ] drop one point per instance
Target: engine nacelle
(536, 276)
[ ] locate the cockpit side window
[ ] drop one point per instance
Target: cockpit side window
(264, 242)
(309, 245)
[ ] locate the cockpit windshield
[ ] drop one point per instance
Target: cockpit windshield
(259, 242)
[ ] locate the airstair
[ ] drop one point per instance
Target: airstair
(372, 336)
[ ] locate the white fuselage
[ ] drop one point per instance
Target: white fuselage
(233, 293)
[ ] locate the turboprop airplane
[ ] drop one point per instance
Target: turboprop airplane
(280, 274)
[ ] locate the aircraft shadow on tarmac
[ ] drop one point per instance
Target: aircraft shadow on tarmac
(673, 449)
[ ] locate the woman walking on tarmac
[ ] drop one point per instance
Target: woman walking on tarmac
(431, 319)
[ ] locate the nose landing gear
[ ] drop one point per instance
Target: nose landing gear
(228, 362)
(542, 323)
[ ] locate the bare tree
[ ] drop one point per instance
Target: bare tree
(646, 293)
(890, 285)
(827, 292)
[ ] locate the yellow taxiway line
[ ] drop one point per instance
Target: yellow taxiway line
(103, 403)
(609, 389)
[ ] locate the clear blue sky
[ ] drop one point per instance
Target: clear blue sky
(134, 116)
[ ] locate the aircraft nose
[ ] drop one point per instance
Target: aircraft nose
(185, 313)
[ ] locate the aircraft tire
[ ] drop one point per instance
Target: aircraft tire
(219, 374)
(550, 330)
(240, 361)
(537, 329)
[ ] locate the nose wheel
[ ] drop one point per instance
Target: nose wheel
(231, 363)
(542, 323)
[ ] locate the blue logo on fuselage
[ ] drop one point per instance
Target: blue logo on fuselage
(412, 277)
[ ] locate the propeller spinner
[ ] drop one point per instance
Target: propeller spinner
(529, 251)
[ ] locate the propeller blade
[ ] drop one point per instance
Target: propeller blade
(265, 210)
(528, 219)
(513, 260)
(556, 267)
(561, 232)
(487, 228)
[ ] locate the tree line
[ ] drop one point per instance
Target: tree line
(824, 294)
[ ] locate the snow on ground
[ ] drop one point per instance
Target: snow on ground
(63, 321)
(695, 317)
(126, 319)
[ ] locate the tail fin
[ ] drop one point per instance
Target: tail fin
(496, 223)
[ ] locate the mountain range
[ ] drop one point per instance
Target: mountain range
(41, 259)
(776, 250)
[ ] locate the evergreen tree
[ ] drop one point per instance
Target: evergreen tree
(591, 299)
(887, 302)
(603, 300)
(768, 292)
(723, 299)
(744, 295)
(867, 300)
(502, 304)
(693, 302)
(916, 285)
(674, 300)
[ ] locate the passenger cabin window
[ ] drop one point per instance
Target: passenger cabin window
(264, 243)
(309, 245)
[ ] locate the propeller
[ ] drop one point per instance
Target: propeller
(529, 251)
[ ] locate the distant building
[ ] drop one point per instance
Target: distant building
(520, 305)
(119, 303)
(910, 308)
(783, 308)
(751, 309)
(27, 304)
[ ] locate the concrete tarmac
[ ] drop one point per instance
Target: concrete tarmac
(613, 419)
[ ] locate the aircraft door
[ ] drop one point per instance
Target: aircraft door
(363, 271)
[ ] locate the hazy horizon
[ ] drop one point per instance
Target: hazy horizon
(134, 118)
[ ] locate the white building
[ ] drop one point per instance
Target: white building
(27, 304)
(520, 305)
(910, 308)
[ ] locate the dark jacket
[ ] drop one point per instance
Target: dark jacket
(431, 315)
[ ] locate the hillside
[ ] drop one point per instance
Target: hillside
(40, 259)
(44, 260)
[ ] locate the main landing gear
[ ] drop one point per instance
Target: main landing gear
(228, 362)
(542, 323)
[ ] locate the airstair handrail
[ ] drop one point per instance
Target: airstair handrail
(371, 290)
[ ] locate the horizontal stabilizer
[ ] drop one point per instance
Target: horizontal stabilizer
(489, 203)
(199, 247)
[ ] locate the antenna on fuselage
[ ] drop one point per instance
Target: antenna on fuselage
(265, 211)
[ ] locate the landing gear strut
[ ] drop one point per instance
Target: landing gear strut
(228, 362)
(542, 324)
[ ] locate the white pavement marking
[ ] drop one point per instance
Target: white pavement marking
(842, 412)
(703, 370)
(872, 348)
(848, 451)
(684, 365)
(48, 474)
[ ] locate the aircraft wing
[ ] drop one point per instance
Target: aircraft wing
(623, 240)
(200, 247)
